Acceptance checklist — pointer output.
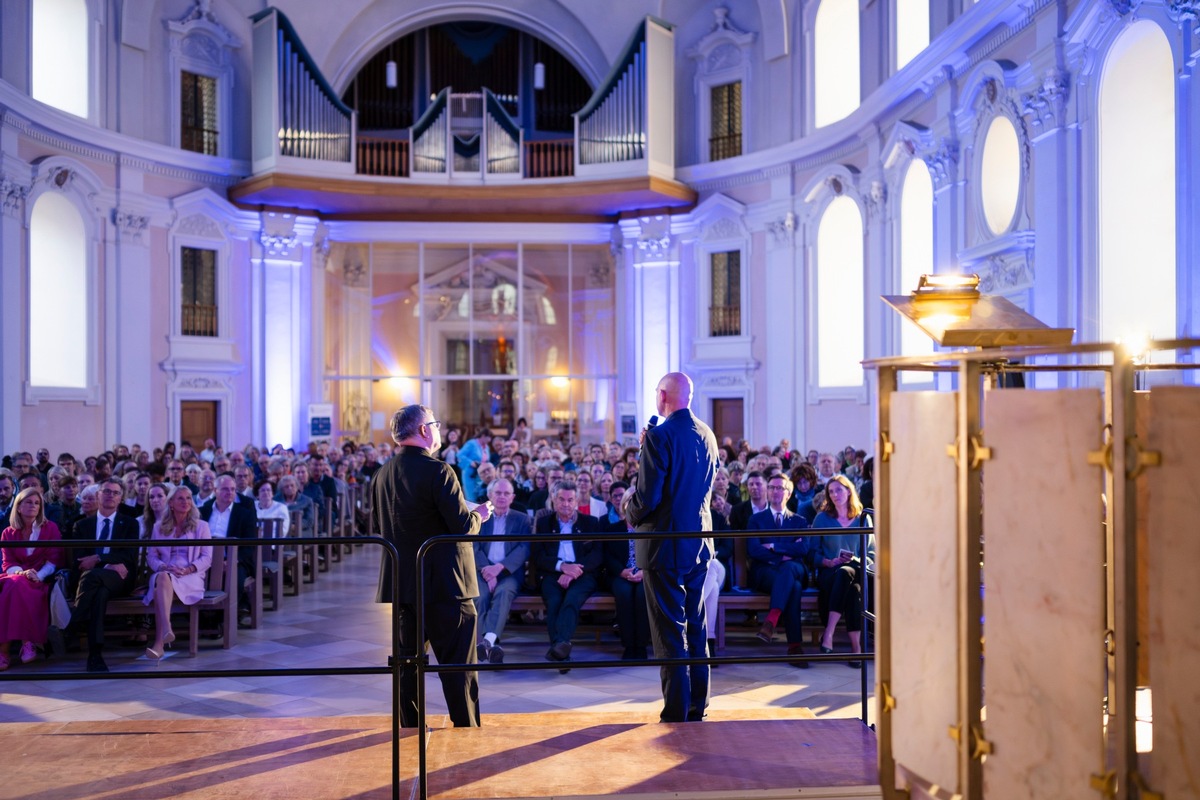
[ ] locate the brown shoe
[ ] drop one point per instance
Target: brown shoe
(767, 632)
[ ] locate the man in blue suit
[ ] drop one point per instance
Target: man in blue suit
(677, 467)
(777, 562)
(501, 568)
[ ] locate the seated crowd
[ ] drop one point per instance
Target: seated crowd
(182, 499)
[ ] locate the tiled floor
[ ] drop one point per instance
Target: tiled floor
(335, 623)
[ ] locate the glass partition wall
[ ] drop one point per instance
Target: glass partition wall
(483, 333)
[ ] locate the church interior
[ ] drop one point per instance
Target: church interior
(230, 219)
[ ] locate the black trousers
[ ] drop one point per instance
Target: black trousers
(96, 587)
(840, 591)
(632, 612)
(678, 629)
(450, 632)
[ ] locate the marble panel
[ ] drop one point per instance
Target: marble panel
(1043, 594)
(1173, 556)
(923, 512)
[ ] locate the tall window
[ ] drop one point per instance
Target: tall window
(198, 290)
(1137, 187)
(725, 140)
(916, 254)
(725, 314)
(836, 86)
(912, 29)
(58, 292)
(60, 55)
(839, 314)
(198, 113)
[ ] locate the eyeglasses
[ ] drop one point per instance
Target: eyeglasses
(434, 423)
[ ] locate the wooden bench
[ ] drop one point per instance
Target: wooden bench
(222, 575)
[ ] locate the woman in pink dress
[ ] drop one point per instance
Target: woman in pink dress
(24, 603)
(178, 566)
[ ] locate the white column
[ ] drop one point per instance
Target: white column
(656, 321)
(129, 359)
(783, 372)
(282, 260)
(12, 278)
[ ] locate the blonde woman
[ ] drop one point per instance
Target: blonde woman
(24, 610)
(178, 566)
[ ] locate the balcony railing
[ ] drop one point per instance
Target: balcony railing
(382, 157)
(725, 320)
(198, 320)
(722, 147)
(550, 158)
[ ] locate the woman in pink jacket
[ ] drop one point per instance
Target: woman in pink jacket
(178, 565)
(24, 607)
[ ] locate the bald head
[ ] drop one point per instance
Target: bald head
(673, 393)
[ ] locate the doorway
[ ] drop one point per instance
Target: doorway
(197, 422)
(728, 419)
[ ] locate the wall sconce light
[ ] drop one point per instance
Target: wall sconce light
(539, 76)
(393, 79)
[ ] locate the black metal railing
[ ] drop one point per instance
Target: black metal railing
(392, 668)
(423, 667)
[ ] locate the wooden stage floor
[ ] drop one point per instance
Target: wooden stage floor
(771, 753)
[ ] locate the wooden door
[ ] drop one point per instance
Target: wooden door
(197, 422)
(728, 419)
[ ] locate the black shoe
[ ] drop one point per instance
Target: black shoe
(854, 664)
(496, 656)
(483, 652)
(560, 651)
(58, 644)
(96, 663)
(799, 651)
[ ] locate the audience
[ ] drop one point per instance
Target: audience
(521, 470)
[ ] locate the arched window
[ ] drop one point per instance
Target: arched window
(916, 254)
(60, 55)
(836, 89)
(1136, 222)
(58, 295)
(839, 316)
(912, 29)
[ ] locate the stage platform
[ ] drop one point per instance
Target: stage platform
(747, 754)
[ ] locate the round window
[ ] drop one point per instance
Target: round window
(1000, 175)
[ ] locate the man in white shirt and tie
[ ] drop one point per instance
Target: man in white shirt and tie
(566, 569)
(501, 568)
(777, 563)
(105, 571)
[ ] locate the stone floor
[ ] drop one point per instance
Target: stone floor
(335, 623)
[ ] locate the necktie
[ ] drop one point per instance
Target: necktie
(779, 520)
(104, 532)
